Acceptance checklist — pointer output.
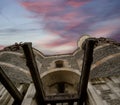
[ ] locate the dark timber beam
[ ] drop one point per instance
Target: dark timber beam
(7, 83)
(70, 103)
(32, 65)
(88, 47)
(53, 103)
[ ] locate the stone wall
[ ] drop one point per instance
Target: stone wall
(108, 92)
(105, 51)
(16, 59)
(46, 62)
(109, 68)
(16, 76)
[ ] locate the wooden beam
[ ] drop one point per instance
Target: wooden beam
(29, 95)
(32, 65)
(88, 47)
(53, 103)
(71, 103)
(10, 87)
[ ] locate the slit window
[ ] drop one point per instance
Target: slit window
(61, 87)
(59, 64)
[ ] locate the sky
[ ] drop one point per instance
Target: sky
(55, 26)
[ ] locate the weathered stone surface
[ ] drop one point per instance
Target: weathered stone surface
(70, 59)
(14, 59)
(16, 76)
(109, 68)
(106, 64)
(105, 51)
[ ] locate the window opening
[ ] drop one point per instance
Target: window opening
(59, 64)
(61, 87)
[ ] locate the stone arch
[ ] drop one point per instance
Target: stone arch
(55, 77)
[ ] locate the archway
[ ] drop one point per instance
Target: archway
(60, 81)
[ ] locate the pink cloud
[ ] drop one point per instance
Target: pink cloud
(41, 7)
(54, 41)
(1, 47)
(105, 28)
(70, 16)
(63, 49)
(57, 46)
(60, 43)
(103, 31)
(66, 20)
(77, 3)
(78, 22)
(56, 14)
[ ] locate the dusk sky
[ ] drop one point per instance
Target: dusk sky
(54, 26)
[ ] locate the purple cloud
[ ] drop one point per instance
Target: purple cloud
(116, 36)
(71, 18)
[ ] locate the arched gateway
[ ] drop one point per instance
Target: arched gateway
(61, 80)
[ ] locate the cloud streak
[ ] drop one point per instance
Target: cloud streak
(69, 19)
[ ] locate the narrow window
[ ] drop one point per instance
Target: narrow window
(61, 87)
(59, 64)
